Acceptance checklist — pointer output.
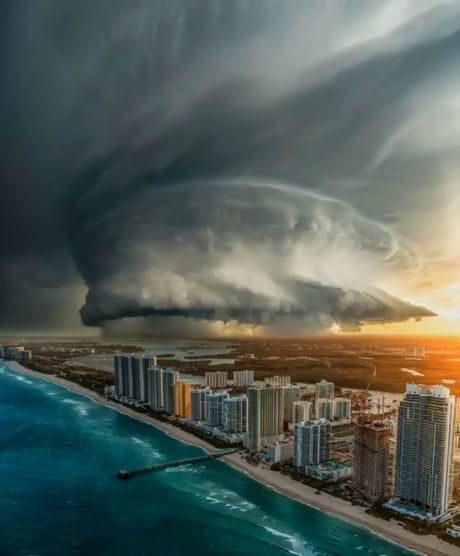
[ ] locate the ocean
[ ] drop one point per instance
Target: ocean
(59, 495)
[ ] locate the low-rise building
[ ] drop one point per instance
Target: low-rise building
(330, 471)
(280, 451)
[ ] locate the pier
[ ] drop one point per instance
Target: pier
(128, 473)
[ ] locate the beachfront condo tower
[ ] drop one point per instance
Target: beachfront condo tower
(198, 403)
(130, 375)
(170, 377)
(235, 415)
(312, 443)
(372, 459)
(265, 415)
(215, 408)
(424, 455)
(155, 388)
(182, 399)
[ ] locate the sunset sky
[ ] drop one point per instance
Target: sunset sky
(218, 167)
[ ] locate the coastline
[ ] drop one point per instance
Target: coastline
(336, 507)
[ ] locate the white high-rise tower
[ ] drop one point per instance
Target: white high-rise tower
(424, 456)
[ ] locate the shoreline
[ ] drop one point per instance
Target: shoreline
(281, 484)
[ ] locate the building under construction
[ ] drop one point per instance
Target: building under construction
(371, 458)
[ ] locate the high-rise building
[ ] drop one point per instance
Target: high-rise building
(123, 375)
(283, 380)
(235, 414)
(424, 454)
(243, 378)
(182, 399)
(265, 415)
(218, 379)
(198, 402)
(342, 408)
(215, 408)
(140, 365)
(155, 388)
(118, 375)
(312, 443)
(291, 394)
(372, 458)
(130, 375)
(324, 408)
(324, 390)
(170, 377)
(302, 411)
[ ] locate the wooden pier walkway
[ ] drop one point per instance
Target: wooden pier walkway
(128, 473)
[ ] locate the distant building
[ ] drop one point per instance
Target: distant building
(280, 451)
(312, 443)
(265, 415)
(235, 415)
(198, 404)
(218, 379)
(324, 390)
(291, 394)
(281, 380)
(424, 456)
(324, 408)
(415, 351)
(215, 408)
(372, 459)
(244, 378)
(182, 399)
(342, 408)
(302, 411)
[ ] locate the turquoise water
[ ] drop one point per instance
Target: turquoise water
(59, 453)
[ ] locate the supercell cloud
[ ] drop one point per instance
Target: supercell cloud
(265, 163)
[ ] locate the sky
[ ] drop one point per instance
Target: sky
(226, 167)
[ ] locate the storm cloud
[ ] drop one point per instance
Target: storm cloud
(257, 162)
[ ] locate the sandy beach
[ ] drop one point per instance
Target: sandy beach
(391, 530)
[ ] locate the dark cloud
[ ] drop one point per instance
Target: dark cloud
(235, 161)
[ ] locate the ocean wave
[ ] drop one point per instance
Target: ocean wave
(297, 545)
(78, 406)
(22, 379)
(146, 446)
